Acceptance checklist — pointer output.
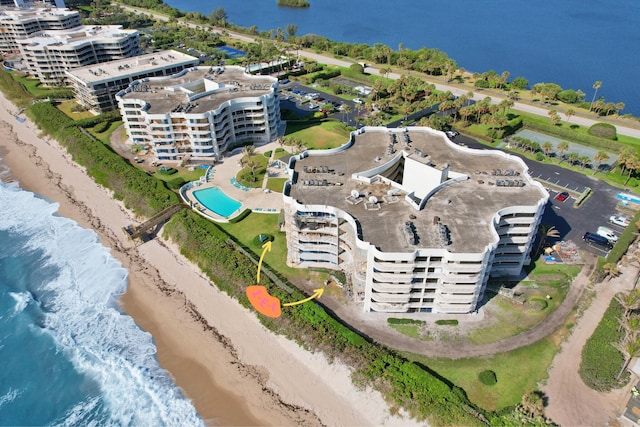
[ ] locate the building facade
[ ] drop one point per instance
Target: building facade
(95, 86)
(201, 112)
(48, 54)
(418, 223)
(16, 23)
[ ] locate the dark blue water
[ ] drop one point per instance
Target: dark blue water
(572, 43)
(69, 355)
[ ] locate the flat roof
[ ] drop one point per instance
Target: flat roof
(20, 14)
(466, 208)
(232, 83)
(134, 66)
(76, 36)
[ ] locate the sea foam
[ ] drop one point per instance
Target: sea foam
(79, 310)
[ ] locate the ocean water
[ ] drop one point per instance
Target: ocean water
(69, 355)
(572, 43)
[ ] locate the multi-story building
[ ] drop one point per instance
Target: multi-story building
(48, 54)
(18, 23)
(95, 86)
(201, 112)
(33, 3)
(418, 223)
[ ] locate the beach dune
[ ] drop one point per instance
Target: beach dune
(234, 370)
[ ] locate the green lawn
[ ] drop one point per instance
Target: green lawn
(319, 135)
(245, 232)
(276, 184)
(33, 86)
(246, 178)
(184, 173)
(515, 377)
(105, 136)
(66, 107)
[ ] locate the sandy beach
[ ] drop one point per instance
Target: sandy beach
(234, 370)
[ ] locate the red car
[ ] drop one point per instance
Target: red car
(561, 197)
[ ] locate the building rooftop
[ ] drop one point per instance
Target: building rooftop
(20, 14)
(76, 36)
(370, 180)
(143, 64)
(211, 85)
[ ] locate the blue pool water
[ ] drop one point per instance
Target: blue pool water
(231, 52)
(216, 201)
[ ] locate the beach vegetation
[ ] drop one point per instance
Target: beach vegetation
(601, 359)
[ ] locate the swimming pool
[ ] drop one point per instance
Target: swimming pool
(216, 201)
(231, 52)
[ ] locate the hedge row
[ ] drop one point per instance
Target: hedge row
(589, 140)
(601, 361)
(139, 192)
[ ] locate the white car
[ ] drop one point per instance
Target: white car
(358, 101)
(608, 234)
(619, 220)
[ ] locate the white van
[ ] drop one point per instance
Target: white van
(608, 234)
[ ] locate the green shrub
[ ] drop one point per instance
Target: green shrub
(488, 377)
(482, 84)
(101, 127)
(166, 170)
(601, 361)
(538, 304)
(175, 183)
(396, 321)
(261, 239)
(603, 130)
(267, 154)
(279, 150)
(357, 68)
(452, 322)
(245, 213)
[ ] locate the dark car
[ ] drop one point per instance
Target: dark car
(561, 197)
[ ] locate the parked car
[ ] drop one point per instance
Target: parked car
(452, 133)
(561, 197)
(313, 106)
(596, 239)
(608, 234)
(358, 101)
(619, 220)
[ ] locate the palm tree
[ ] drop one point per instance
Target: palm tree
(562, 147)
(569, 113)
(346, 109)
(597, 85)
(629, 301)
(385, 71)
(573, 158)
(546, 147)
(247, 152)
(584, 161)
(619, 107)
(633, 164)
(545, 232)
(600, 157)
(630, 348)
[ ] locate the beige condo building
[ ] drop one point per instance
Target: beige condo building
(418, 223)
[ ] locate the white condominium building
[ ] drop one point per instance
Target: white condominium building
(48, 54)
(18, 23)
(201, 112)
(95, 86)
(418, 223)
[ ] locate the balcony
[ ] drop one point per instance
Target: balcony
(405, 289)
(389, 308)
(390, 298)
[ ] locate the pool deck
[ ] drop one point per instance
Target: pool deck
(255, 199)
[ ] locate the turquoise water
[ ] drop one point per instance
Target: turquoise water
(70, 356)
(216, 201)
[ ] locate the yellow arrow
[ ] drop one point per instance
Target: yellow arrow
(266, 247)
(317, 293)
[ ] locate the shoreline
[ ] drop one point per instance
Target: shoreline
(234, 370)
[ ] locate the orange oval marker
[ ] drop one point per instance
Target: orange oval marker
(263, 302)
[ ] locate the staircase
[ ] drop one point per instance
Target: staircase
(136, 231)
